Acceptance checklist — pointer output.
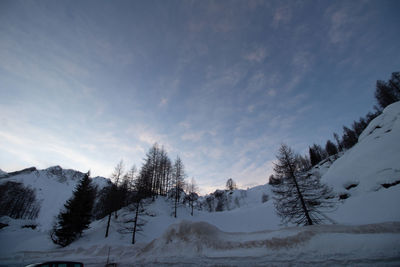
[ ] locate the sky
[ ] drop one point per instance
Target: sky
(85, 84)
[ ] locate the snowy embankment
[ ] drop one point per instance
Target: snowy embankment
(368, 175)
(315, 244)
(200, 243)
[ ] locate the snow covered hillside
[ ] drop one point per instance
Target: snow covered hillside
(237, 227)
(53, 187)
(367, 176)
(222, 200)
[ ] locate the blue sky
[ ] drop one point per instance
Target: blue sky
(84, 84)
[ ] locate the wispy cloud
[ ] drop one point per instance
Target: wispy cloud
(282, 15)
(193, 136)
(340, 31)
(149, 137)
(346, 19)
(185, 124)
(256, 55)
(302, 60)
(43, 149)
(163, 102)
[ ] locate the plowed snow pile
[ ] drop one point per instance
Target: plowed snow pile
(202, 244)
(309, 245)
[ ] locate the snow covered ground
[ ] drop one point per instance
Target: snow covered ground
(200, 243)
(248, 232)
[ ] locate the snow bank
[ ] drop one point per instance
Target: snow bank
(375, 159)
(367, 173)
(190, 240)
(188, 243)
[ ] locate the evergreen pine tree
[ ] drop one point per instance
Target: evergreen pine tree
(349, 138)
(387, 93)
(304, 162)
(273, 181)
(315, 156)
(330, 148)
(338, 142)
(77, 214)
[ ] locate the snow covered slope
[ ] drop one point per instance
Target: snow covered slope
(53, 187)
(223, 200)
(367, 175)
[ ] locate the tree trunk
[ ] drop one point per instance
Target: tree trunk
(134, 226)
(176, 202)
(303, 204)
(108, 223)
(176, 195)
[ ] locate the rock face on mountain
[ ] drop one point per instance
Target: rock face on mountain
(4, 174)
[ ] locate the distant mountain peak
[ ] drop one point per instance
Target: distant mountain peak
(23, 171)
(56, 167)
(3, 174)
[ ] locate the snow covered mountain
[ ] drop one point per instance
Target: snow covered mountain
(52, 186)
(238, 227)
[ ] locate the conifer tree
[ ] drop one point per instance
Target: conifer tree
(338, 142)
(155, 174)
(230, 184)
(178, 176)
(192, 194)
(349, 138)
(110, 204)
(77, 214)
(304, 162)
(315, 156)
(116, 194)
(134, 223)
(359, 126)
(117, 198)
(272, 180)
(388, 92)
(299, 197)
(330, 148)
